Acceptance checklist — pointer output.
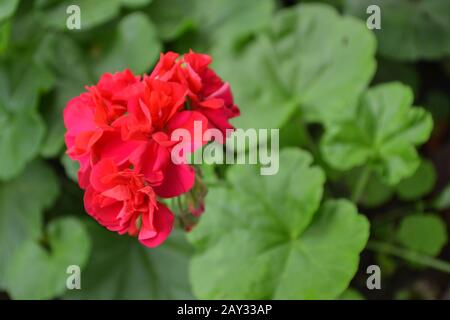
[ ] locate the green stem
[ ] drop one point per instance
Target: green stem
(361, 184)
(409, 255)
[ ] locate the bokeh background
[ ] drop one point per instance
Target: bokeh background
(294, 65)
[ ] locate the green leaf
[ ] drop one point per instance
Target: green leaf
(135, 46)
(7, 8)
(310, 58)
(172, 17)
(92, 13)
(133, 4)
(5, 29)
(22, 80)
(386, 263)
(22, 201)
(351, 294)
(410, 30)
(425, 233)
(375, 193)
(442, 201)
(216, 21)
(383, 131)
(27, 31)
(35, 272)
(231, 20)
(266, 237)
(419, 184)
(20, 138)
(71, 167)
(121, 268)
(69, 66)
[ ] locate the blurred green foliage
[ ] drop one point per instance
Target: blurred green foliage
(291, 241)
(343, 96)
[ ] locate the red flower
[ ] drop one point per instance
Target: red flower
(151, 106)
(122, 200)
(122, 131)
(154, 112)
(89, 115)
(207, 94)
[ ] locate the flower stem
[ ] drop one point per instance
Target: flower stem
(361, 184)
(409, 255)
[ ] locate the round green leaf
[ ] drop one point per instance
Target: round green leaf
(425, 233)
(135, 46)
(419, 184)
(121, 268)
(410, 30)
(22, 201)
(266, 237)
(310, 58)
(383, 131)
(35, 273)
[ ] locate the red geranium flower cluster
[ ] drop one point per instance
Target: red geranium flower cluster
(120, 133)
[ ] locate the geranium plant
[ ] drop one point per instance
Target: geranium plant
(120, 134)
(88, 181)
